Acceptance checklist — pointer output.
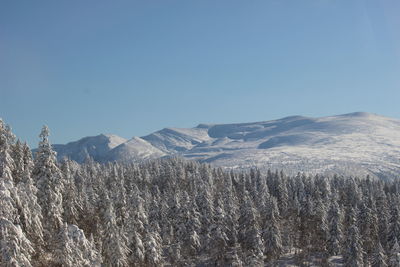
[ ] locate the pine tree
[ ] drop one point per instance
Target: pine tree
(204, 202)
(48, 179)
(394, 257)
(15, 248)
(353, 253)
(219, 239)
(137, 250)
(115, 184)
(232, 257)
(272, 233)
(71, 204)
(379, 257)
(383, 216)
(17, 154)
(153, 255)
(249, 233)
(114, 242)
(367, 223)
(74, 249)
(30, 212)
(321, 228)
(394, 225)
(335, 228)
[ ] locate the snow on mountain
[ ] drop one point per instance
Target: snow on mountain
(95, 147)
(358, 143)
(135, 149)
(177, 139)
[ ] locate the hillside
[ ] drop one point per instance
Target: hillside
(357, 143)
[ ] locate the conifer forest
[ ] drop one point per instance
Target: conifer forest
(174, 212)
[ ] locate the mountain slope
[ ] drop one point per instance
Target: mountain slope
(359, 143)
(95, 147)
(135, 149)
(175, 140)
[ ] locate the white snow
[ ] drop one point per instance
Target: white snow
(135, 149)
(359, 143)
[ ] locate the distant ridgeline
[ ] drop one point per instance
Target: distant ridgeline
(173, 212)
(357, 144)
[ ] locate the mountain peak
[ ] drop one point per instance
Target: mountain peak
(360, 142)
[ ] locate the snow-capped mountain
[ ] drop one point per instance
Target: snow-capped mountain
(133, 150)
(96, 147)
(359, 143)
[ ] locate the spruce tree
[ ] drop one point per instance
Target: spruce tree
(379, 258)
(30, 212)
(394, 224)
(352, 252)
(272, 233)
(114, 242)
(249, 234)
(335, 228)
(394, 256)
(15, 248)
(48, 180)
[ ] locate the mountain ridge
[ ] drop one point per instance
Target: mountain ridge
(361, 143)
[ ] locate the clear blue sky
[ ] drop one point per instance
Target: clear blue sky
(132, 67)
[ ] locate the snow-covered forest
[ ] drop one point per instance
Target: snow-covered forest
(174, 212)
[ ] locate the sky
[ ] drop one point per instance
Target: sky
(133, 67)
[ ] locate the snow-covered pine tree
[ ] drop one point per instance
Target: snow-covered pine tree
(394, 224)
(335, 228)
(30, 212)
(15, 248)
(17, 154)
(218, 237)
(306, 214)
(114, 242)
(137, 250)
(115, 184)
(382, 210)
(153, 254)
(48, 180)
(367, 224)
(74, 249)
(71, 203)
(379, 258)
(271, 231)
(204, 201)
(249, 233)
(321, 227)
(352, 251)
(394, 256)
(232, 258)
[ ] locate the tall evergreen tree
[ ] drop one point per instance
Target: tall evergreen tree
(352, 252)
(379, 258)
(48, 180)
(394, 224)
(394, 256)
(71, 203)
(30, 212)
(335, 228)
(249, 234)
(272, 233)
(114, 242)
(15, 248)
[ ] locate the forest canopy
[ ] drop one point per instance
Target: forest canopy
(173, 212)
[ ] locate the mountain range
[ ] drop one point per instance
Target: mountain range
(357, 143)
